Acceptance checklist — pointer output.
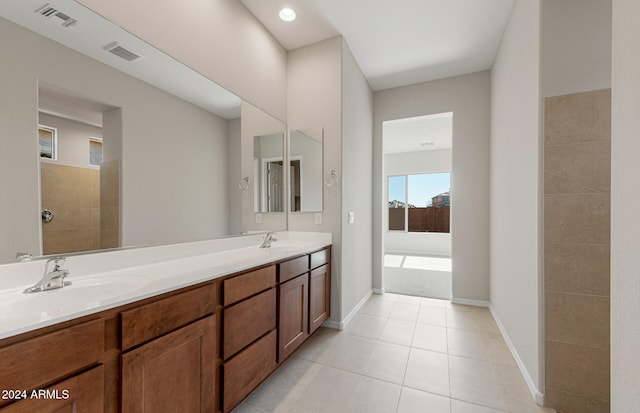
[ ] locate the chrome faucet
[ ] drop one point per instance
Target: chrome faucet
(23, 256)
(51, 279)
(269, 237)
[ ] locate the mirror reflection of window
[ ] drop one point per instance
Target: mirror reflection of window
(47, 141)
(95, 151)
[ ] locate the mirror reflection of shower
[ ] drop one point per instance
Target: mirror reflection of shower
(79, 172)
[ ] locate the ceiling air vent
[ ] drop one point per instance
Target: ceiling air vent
(121, 52)
(50, 12)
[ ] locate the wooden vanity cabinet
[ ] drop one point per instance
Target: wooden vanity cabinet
(55, 361)
(169, 358)
(248, 333)
(293, 307)
(82, 393)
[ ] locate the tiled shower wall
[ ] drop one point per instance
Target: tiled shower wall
(109, 204)
(73, 195)
(577, 170)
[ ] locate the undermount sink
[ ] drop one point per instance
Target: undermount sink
(83, 293)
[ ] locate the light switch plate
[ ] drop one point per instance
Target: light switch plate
(319, 218)
(258, 218)
(352, 217)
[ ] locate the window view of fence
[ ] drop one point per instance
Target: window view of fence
(420, 202)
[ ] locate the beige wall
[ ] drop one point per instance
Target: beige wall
(219, 39)
(625, 204)
(357, 182)
(575, 40)
(468, 98)
(73, 139)
(314, 99)
(577, 172)
(515, 191)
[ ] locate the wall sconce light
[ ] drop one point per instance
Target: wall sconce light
(244, 184)
(331, 178)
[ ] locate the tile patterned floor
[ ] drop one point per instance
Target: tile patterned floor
(400, 354)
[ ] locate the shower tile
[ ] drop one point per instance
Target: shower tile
(577, 369)
(577, 318)
(584, 117)
(577, 218)
(577, 268)
(582, 167)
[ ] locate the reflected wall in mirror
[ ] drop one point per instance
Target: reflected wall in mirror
(166, 127)
(305, 158)
(268, 173)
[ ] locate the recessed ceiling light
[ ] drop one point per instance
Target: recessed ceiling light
(287, 14)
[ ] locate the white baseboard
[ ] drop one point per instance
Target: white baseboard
(466, 301)
(533, 389)
(378, 290)
(342, 324)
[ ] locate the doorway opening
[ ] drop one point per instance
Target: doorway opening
(418, 201)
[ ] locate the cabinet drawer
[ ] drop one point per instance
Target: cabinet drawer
(247, 370)
(34, 362)
(320, 258)
(248, 320)
(245, 285)
(84, 394)
(157, 318)
(292, 268)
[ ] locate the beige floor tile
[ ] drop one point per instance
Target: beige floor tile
(434, 302)
(372, 396)
(398, 332)
(416, 401)
(388, 362)
(318, 345)
(432, 315)
(465, 343)
(390, 296)
(245, 407)
(473, 381)
(351, 353)
(327, 392)
(497, 350)
(409, 299)
(366, 325)
(284, 386)
(378, 306)
(405, 311)
(428, 337)
(514, 390)
(428, 371)
(478, 320)
(458, 406)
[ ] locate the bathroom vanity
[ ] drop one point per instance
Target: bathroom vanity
(202, 347)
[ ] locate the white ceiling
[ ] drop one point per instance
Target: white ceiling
(397, 42)
(421, 133)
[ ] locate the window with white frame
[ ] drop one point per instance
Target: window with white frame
(419, 202)
(48, 142)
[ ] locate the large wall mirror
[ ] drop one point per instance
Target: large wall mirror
(170, 140)
(305, 159)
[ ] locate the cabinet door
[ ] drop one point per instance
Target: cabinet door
(319, 297)
(174, 373)
(83, 393)
(293, 318)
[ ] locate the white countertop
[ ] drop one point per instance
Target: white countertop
(105, 280)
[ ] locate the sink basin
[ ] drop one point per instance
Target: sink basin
(83, 294)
